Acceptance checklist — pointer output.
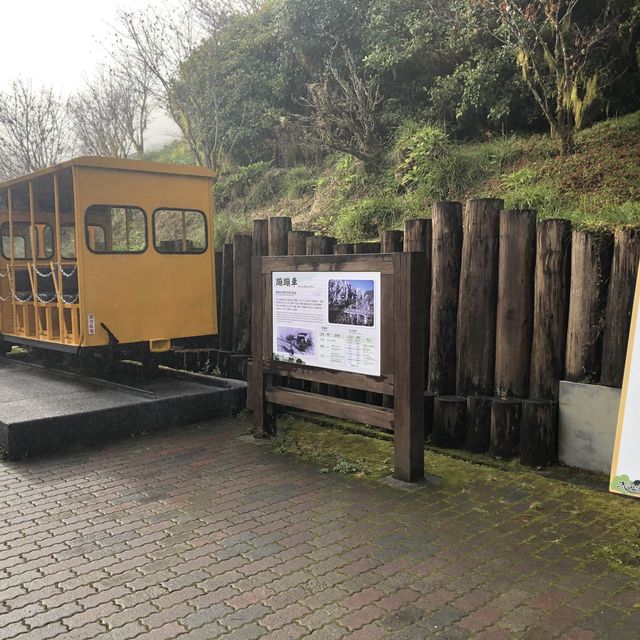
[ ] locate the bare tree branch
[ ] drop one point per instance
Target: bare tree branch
(343, 111)
(213, 13)
(34, 129)
(174, 50)
(111, 114)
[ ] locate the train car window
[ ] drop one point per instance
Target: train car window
(47, 237)
(179, 231)
(68, 242)
(22, 241)
(113, 229)
(98, 237)
(19, 246)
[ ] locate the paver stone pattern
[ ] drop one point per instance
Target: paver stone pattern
(199, 533)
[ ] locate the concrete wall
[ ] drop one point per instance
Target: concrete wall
(588, 421)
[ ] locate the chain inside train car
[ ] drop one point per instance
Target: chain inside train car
(105, 256)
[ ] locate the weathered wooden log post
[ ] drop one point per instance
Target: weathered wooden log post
(260, 244)
(417, 238)
(538, 432)
(218, 264)
(505, 427)
(445, 282)
(624, 272)
(344, 249)
(297, 243)
(449, 421)
(514, 325)
(550, 307)
(478, 423)
(476, 336)
(320, 245)
(279, 227)
(590, 272)
(409, 366)
(366, 247)
(391, 241)
(429, 402)
(226, 304)
(259, 248)
(242, 245)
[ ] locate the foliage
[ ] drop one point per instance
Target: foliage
(596, 186)
(248, 182)
(176, 152)
(300, 182)
(364, 219)
(567, 51)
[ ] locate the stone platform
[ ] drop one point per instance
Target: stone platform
(44, 410)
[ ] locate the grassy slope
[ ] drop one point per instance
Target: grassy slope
(597, 186)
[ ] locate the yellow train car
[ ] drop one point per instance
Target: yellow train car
(105, 254)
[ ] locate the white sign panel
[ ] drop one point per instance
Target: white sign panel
(625, 469)
(329, 320)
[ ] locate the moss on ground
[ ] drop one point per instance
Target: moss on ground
(551, 497)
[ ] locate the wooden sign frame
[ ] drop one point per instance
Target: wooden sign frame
(617, 482)
(402, 355)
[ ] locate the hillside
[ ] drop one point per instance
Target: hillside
(598, 186)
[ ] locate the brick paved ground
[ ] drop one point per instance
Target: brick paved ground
(198, 533)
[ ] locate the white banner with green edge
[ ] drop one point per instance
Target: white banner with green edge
(625, 468)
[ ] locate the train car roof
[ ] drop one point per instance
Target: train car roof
(117, 164)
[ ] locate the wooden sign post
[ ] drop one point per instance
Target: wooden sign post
(394, 367)
(625, 468)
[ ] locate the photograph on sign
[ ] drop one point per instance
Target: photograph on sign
(351, 302)
(296, 341)
(327, 320)
(625, 468)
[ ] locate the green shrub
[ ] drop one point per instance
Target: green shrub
(268, 188)
(227, 223)
(417, 152)
(364, 219)
(525, 190)
(300, 182)
(237, 185)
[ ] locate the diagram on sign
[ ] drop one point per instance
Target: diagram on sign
(327, 321)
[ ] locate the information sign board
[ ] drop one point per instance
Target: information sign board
(625, 468)
(327, 319)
